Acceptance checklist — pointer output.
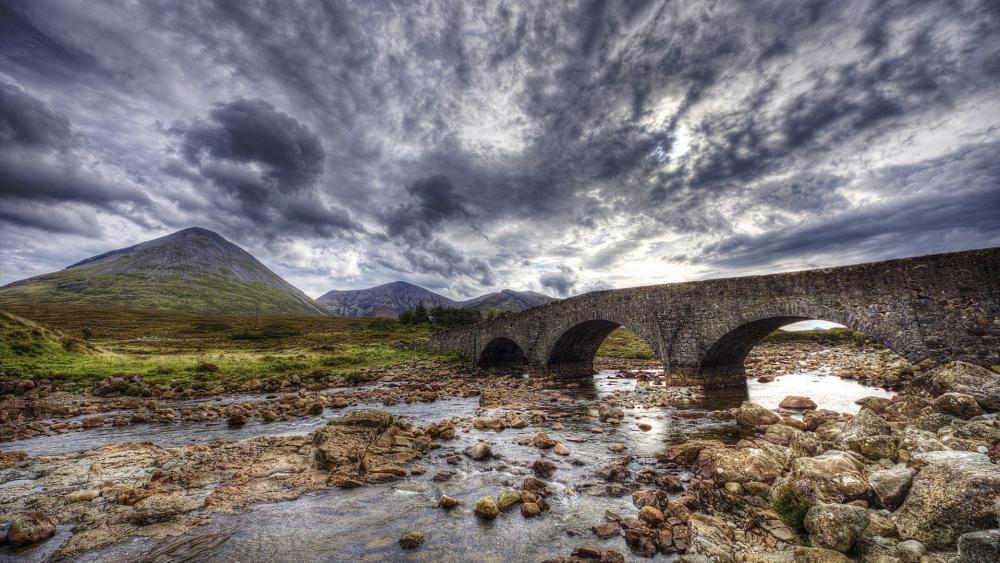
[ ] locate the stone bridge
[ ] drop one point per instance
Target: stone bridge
(942, 307)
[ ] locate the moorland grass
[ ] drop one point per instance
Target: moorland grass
(170, 346)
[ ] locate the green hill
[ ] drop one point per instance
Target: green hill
(193, 270)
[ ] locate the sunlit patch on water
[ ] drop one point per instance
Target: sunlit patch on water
(826, 390)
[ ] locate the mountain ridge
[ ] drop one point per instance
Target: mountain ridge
(391, 299)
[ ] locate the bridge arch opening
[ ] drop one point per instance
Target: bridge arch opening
(725, 362)
(575, 350)
(501, 352)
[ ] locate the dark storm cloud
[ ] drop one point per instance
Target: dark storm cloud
(560, 146)
(917, 218)
(42, 174)
(265, 162)
(254, 132)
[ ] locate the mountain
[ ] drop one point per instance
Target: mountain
(391, 299)
(387, 300)
(193, 270)
(506, 300)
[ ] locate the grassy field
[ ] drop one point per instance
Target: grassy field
(86, 345)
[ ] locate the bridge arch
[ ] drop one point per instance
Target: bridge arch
(722, 362)
(501, 352)
(575, 346)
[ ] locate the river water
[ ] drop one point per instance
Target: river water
(364, 524)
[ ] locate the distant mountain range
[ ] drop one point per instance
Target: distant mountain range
(197, 270)
(389, 300)
(192, 270)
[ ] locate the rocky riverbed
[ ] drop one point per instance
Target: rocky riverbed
(437, 464)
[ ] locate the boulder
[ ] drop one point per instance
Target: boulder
(796, 402)
(487, 508)
(781, 434)
(752, 415)
(891, 485)
(747, 461)
(27, 528)
(961, 405)
(835, 476)
(530, 509)
(709, 537)
(979, 547)
(868, 434)
(835, 526)
(411, 540)
(953, 493)
(479, 451)
(962, 377)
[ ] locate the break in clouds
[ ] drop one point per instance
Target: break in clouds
(472, 146)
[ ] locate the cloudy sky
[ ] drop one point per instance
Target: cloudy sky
(471, 146)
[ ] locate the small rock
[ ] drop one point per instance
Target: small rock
(508, 499)
(543, 468)
(411, 540)
(448, 502)
(910, 551)
(606, 530)
(651, 515)
(588, 552)
(560, 449)
(645, 427)
(530, 509)
(797, 403)
(82, 496)
(542, 440)
(443, 475)
(487, 508)
(479, 451)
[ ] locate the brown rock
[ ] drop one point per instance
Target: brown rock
(30, 527)
(797, 403)
(411, 540)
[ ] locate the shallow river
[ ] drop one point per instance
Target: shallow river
(363, 524)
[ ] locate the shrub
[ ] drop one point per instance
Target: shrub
(266, 332)
(356, 377)
(791, 500)
(382, 324)
(206, 367)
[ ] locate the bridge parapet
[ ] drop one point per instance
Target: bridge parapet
(944, 307)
